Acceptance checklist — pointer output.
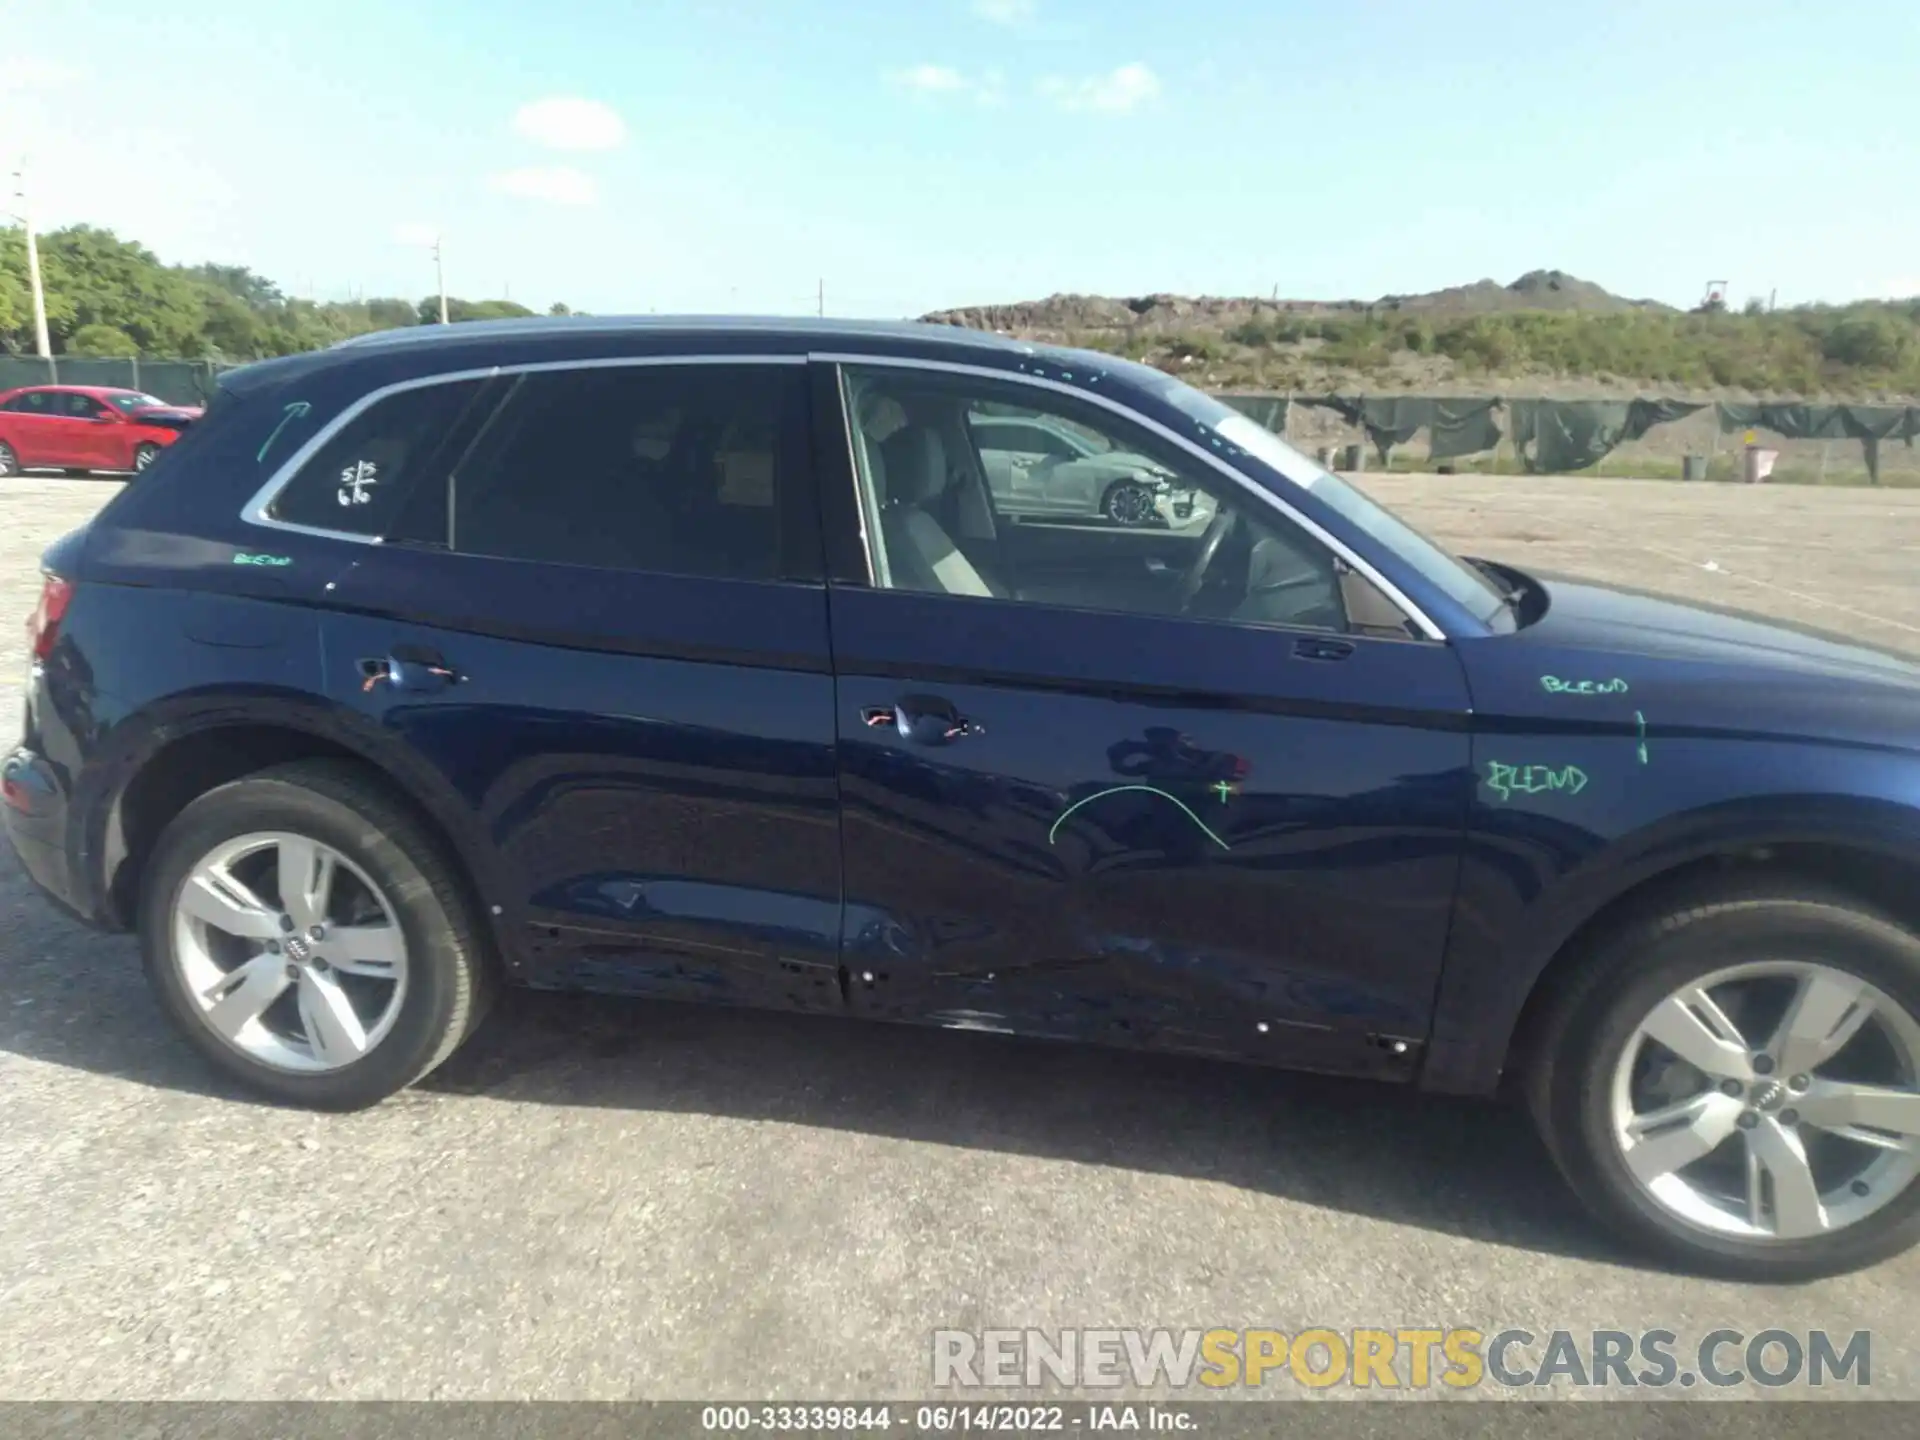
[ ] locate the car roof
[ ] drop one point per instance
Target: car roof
(94, 390)
(819, 331)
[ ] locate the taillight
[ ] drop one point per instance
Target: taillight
(43, 626)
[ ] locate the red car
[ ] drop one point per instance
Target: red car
(86, 427)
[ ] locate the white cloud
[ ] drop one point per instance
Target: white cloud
(931, 79)
(1122, 90)
(416, 233)
(553, 185)
(567, 122)
(1004, 12)
(987, 89)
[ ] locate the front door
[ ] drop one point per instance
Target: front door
(1144, 780)
(89, 433)
(603, 623)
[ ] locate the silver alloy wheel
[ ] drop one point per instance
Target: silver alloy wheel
(9, 462)
(1130, 503)
(291, 954)
(1772, 1101)
(144, 456)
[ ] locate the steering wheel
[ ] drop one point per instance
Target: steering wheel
(1218, 529)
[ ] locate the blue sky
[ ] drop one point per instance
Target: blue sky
(724, 155)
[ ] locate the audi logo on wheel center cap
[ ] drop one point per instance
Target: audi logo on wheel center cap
(298, 950)
(1768, 1093)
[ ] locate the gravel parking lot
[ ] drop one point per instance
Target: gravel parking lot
(612, 1200)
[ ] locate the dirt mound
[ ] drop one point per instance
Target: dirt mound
(1059, 315)
(1535, 290)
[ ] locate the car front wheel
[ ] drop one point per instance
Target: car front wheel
(309, 937)
(1128, 502)
(1735, 1084)
(144, 454)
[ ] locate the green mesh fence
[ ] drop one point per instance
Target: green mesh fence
(178, 382)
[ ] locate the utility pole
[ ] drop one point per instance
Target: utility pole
(41, 341)
(820, 303)
(440, 278)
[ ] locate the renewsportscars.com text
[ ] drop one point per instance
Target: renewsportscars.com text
(1461, 1358)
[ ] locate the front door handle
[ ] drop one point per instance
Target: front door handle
(1323, 649)
(923, 719)
(413, 668)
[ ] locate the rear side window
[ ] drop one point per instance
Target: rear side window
(356, 481)
(34, 402)
(673, 469)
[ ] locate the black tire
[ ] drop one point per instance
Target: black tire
(144, 454)
(1121, 501)
(9, 461)
(1634, 968)
(450, 974)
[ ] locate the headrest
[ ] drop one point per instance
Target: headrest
(915, 464)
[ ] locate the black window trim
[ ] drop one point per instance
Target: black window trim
(841, 360)
(255, 511)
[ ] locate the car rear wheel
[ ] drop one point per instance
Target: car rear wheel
(1735, 1084)
(9, 461)
(309, 938)
(1127, 502)
(144, 454)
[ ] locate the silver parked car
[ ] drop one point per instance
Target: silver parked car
(1039, 466)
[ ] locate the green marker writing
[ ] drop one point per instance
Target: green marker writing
(1121, 790)
(1554, 685)
(1505, 780)
(291, 413)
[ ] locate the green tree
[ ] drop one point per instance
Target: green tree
(392, 314)
(101, 279)
(1871, 342)
(458, 310)
(256, 291)
(98, 339)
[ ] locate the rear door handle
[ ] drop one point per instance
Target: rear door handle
(923, 719)
(1316, 649)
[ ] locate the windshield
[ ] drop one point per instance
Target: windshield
(131, 400)
(1462, 582)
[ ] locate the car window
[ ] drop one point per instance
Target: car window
(31, 402)
(356, 481)
(1120, 522)
(1002, 437)
(672, 469)
(82, 407)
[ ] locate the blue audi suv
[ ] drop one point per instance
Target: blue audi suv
(700, 660)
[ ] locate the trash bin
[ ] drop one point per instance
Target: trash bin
(1353, 458)
(1759, 463)
(1693, 467)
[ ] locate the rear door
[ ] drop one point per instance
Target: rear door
(33, 427)
(603, 621)
(1188, 784)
